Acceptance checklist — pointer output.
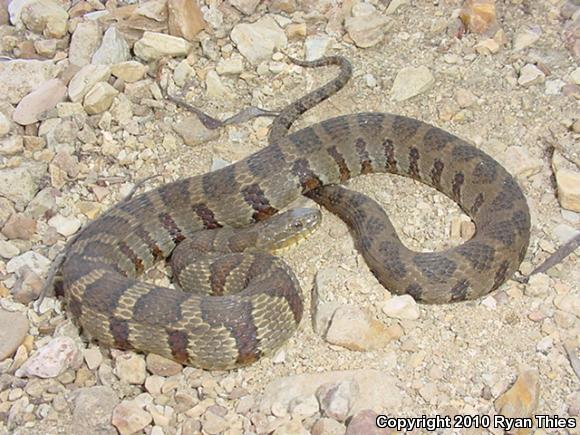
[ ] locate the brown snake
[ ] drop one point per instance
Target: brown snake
(234, 326)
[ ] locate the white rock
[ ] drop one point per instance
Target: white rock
(530, 75)
(316, 46)
(526, 38)
(51, 359)
(564, 233)
(85, 40)
(130, 71)
(257, 41)
(8, 250)
(66, 226)
(114, 49)
(45, 16)
(554, 87)
(518, 161)
(569, 303)
(182, 73)
(568, 183)
(245, 6)
(401, 307)
(575, 76)
(214, 86)
(411, 81)
(99, 98)
(43, 98)
(39, 264)
(13, 330)
(367, 30)
(394, 5)
(363, 10)
(154, 46)
(4, 125)
(232, 66)
(87, 77)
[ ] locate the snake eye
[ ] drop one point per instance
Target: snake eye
(297, 224)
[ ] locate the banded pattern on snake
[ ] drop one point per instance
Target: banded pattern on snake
(226, 329)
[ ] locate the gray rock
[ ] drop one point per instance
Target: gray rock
(93, 410)
(18, 185)
(193, 132)
(114, 49)
(366, 30)
(87, 77)
(13, 329)
(129, 417)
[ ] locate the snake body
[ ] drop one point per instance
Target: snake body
(227, 329)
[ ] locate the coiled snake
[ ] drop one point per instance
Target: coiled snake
(229, 325)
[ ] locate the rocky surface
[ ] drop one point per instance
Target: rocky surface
(84, 117)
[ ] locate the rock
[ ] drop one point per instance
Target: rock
(28, 285)
(300, 407)
(85, 40)
(257, 41)
(401, 307)
(316, 46)
(394, 5)
(296, 30)
(568, 183)
(366, 30)
(575, 76)
(185, 19)
(487, 46)
(232, 66)
(245, 6)
(564, 233)
(93, 357)
(355, 329)
(162, 366)
(214, 86)
(327, 426)
(5, 125)
(554, 87)
(43, 98)
(153, 46)
(93, 409)
(20, 77)
(129, 417)
(19, 226)
(411, 81)
(336, 399)
(519, 162)
(364, 423)
(84, 80)
(293, 427)
(130, 368)
(51, 359)
(130, 71)
(526, 38)
(46, 17)
(13, 330)
(99, 98)
(530, 75)
(478, 16)
(64, 225)
(18, 185)
(39, 264)
(8, 250)
(569, 303)
(213, 424)
(521, 400)
(11, 146)
(377, 389)
(193, 132)
(42, 202)
(114, 49)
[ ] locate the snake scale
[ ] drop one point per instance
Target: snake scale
(230, 328)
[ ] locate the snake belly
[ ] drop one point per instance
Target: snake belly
(112, 306)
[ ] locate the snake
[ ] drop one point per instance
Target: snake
(249, 302)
